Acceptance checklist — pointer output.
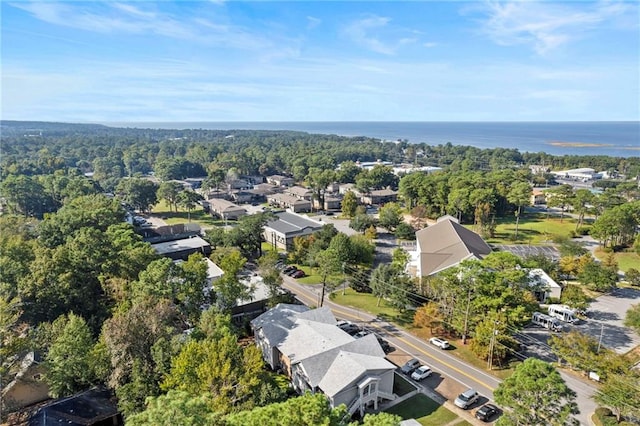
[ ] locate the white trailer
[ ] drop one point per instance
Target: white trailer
(546, 321)
(563, 313)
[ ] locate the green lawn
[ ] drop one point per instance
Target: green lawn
(402, 386)
(205, 220)
(626, 260)
(533, 229)
(424, 410)
(369, 303)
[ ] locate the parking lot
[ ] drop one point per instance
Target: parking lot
(526, 251)
(605, 317)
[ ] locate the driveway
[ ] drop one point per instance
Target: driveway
(605, 317)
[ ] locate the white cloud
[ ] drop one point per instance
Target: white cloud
(544, 25)
(313, 22)
(368, 33)
(430, 44)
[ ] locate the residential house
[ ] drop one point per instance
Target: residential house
(330, 203)
(320, 357)
(242, 196)
(544, 286)
(300, 192)
(279, 180)
(27, 386)
(290, 202)
(379, 196)
(538, 197)
(443, 245)
(346, 187)
(225, 210)
(182, 248)
(94, 407)
(281, 231)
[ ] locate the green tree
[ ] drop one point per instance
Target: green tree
(598, 276)
(560, 197)
(341, 246)
(188, 200)
(632, 276)
(349, 204)
(574, 296)
(12, 339)
(379, 419)
(68, 363)
(170, 191)
(405, 231)
(390, 216)
(361, 222)
(139, 193)
(24, 195)
(492, 339)
(329, 265)
(519, 196)
(177, 408)
(362, 249)
(308, 409)
(620, 392)
(536, 395)
(229, 288)
(428, 315)
(632, 318)
(382, 278)
(219, 368)
(580, 203)
(579, 350)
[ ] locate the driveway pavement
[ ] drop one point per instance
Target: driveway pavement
(605, 318)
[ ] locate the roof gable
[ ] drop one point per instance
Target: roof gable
(446, 244)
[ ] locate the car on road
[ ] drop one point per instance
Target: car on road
(466, 399)
(421, 373)
(410, 365)
(441, 343)
(299, 274)
(486, 412)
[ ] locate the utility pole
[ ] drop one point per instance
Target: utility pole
(600, 340)
(466, 318)
(494, 333)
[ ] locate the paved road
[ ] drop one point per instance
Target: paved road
(449, 367)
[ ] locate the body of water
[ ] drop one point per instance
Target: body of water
(619, 139)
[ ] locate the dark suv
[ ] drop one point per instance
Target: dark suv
(410, 365)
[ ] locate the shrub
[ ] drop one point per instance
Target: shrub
(583, 230)
(603, 412)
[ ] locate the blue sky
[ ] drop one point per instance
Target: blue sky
(320, 61)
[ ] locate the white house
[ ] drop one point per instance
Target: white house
(320, 357)
(546, 287)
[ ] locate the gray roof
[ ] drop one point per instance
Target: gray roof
(221, 205)
(179, 245)
(316, 366)
(446, 244)
(308, 338)
(291, 223)
(276, 322)
(299, 191)
(348, 367)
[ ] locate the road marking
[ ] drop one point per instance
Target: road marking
(402, 339)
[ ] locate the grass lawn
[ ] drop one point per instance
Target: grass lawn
(424, 410)
(402, 386)
(626, 260)
(369, 303)
(533, 229)
(205, 220)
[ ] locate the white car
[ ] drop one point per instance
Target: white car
(421, 372)
(466, 399)
(441, 343)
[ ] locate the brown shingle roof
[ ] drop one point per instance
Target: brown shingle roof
(446, 244)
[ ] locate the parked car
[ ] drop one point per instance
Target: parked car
(293, 271)
(350, 328)
(421, 373)
(288, 269)
(386, 347)
(410, 365)
(486, 412)
(298, 274)
(329, 214)
(361, 333)
(441, 343)
(466, 399)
